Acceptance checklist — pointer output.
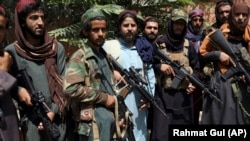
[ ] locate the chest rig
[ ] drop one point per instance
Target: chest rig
(181, 57)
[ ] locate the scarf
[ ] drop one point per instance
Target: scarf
(144, 49)
(237, 29)
(217, 15)
(47, 53)
(194, 37)
(172, 41)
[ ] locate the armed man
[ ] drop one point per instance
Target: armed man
(89, 84)
(230, 79)
(43, 57)
(176, 101)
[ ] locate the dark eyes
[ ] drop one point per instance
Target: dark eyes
(151, 27)
(35, 17)
(221, 12)
(98, 29)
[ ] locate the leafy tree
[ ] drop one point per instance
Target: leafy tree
(112, 8)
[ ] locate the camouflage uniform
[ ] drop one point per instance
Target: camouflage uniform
(83, 84)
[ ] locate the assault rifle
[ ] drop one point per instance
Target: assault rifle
(38, 111)
(183, 73)
(220, 42)
(134, 79)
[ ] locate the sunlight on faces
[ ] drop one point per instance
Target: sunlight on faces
(128, 30)
(151, 30)
(97, 33)
(35, 23)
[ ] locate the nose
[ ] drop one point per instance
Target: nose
(240, 16)
(225, 14)
(40, 21)
(100, 32)
(129, 27)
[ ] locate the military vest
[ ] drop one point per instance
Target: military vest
(179, 56)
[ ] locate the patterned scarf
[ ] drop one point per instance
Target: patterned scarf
(46, 52)
(194, 37)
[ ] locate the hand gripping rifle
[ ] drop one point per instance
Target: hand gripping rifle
(38, 111)
(183, 73)
(134, 79)
(219, 41)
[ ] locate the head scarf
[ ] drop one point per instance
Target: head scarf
(46, 52)
(191, 35)
(217, 15)
(172, 41)
(195, 37)
(2, 10)
(237, 30)
(23, 3)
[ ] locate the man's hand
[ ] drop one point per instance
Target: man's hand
(226, 59)
(118, 77)
(167, 69)
(24, 96)
(5, 61)
(143, 104)
(110, 103)
(51, 116)
(191, 88)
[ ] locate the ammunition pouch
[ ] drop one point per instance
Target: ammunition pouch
(86, 114)
(181, 56)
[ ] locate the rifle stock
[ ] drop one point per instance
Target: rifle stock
(219, 41)
(182, 73)
(134, 79)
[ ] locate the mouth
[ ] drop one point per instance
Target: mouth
(100, 40)
(39, 29)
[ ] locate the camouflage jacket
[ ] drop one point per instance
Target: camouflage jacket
(82, 80)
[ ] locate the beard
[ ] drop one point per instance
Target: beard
(196, 29)
(129, 38)
(36, 35)
(150, 37)
(98, 42)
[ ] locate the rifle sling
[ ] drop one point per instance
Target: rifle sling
(120, 133)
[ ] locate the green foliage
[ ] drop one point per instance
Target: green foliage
(67, 13)
(70, 33)
(167, 2)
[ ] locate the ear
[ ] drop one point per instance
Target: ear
(85, 33)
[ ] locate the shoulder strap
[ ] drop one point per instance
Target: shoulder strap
(185, 47)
